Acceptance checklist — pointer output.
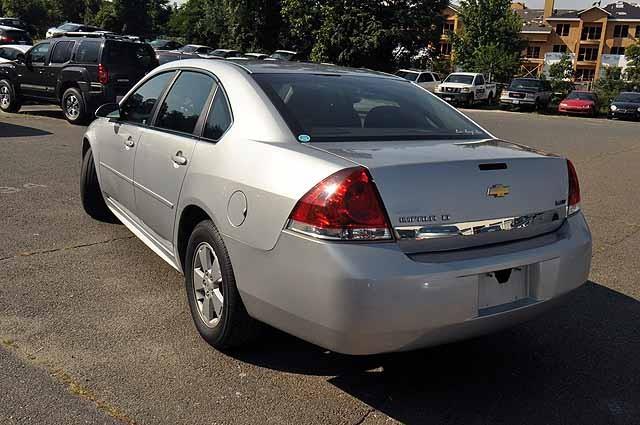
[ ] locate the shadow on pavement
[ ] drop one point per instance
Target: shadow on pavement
(579, 363)
(13, 130)
(49, 113)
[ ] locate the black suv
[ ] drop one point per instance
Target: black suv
(77, 71)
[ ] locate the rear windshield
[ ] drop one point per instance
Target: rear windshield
(628, 97)
(581, 96)
(282, 56)
(130, 54)
(329, 108)
(188, 49)
(408, 75)
(522, 84)
(17, 35)
(460, 79)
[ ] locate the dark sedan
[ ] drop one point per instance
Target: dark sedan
(625, 106)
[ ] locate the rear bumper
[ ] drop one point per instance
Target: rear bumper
(365, 299)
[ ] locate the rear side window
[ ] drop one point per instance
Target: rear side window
(88, 52)
(425, 78)
(183, 105)
(131, 54)
(219, 118)
(137, 108)
(62, 52)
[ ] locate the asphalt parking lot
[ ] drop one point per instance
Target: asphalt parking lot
(95, 328)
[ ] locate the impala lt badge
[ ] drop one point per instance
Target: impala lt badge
(498, 191)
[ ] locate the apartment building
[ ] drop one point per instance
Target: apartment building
(595, 37)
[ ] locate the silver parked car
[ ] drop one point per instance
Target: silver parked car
(352, 209)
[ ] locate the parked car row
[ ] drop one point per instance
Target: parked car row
(191, 51)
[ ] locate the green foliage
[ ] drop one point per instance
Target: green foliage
(560, 75)
(361, 33)
(633, 67)
(609, 86)
(489, 41)
(134, 17)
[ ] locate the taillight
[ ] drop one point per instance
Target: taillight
(103, 74)
(6, 39)
(574, 190)
(344, 206)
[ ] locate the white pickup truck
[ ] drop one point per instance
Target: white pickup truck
(466, 88)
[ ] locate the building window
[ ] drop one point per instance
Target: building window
(591, 33)
(533, 52)
(617, 50)
(447, 28)
(559, 48)
(588, 54)
(621, 31)
(638, 31)
(563, 29)
(445, 49)
(585, 74)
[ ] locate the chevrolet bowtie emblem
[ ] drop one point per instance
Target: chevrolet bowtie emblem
(498, 191)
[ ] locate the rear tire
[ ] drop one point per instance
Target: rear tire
(73, 106)
(90, 193)
(9, 101)
(216, 307)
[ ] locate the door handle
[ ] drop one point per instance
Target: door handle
(129, 143)
(179, 159)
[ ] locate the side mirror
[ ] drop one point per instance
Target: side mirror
(109, 110)
(21, 58)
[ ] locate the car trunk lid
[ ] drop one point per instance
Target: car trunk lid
(446, 195)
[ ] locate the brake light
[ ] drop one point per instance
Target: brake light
(574, 190)
(103, 74)
(6, 39)
(344, 206)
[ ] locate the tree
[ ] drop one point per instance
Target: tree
(361, 33)
(632, 73)
(489, 40)
(200, 21)
(609, 86)
(560, 75)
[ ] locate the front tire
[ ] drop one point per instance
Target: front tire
(216, 307)
(90, 192)
(74, 106)
(9, 101)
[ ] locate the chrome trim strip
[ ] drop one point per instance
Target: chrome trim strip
(144, 236)
(473, 228)
(116, 172)
(153, 194)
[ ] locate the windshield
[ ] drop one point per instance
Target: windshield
(159, 43)
(282, 56)
(581, 96)
(408, 75)
(524, 84)
(628, 97)
(322, 108)
(460, 79)
(68, 27)
(188, 48)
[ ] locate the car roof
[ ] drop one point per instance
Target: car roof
(21, 47)
(286, 51)
(226, 50)
(274, 67)
(8, 28)
(470, 74)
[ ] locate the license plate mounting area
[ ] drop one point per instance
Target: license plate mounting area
(503, 287)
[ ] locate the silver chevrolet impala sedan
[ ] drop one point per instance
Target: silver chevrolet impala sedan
(350, 208)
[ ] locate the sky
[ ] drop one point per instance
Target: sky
(568, 4)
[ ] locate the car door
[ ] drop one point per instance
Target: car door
(480, 89)
(60, 56)
(164, 152)
(30, 73)
(118, 143)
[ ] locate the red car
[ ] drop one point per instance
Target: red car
(579, 102)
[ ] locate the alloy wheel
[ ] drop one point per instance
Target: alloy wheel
(207, 285)
(72, 106)
(5, 97)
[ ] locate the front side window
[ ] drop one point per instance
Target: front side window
(183, 105)
(333, 108)
(138, 107)
(39, 53)
(479, 80)
(62, 52)
(88, 52)
(219, 118)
